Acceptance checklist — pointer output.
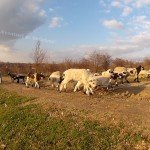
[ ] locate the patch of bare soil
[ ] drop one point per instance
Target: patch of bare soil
(128, 103)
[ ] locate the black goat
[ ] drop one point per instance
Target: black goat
(17, 77)
(138, 69)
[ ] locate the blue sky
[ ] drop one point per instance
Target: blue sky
(74, 28)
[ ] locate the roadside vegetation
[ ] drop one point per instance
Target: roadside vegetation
(29, 127)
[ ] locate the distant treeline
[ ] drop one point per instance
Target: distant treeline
(97, 62)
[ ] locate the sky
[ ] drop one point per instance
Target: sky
(74, 28)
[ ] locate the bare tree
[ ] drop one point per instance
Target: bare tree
(38, 56)
(146, 63)
(119, 62)
(68, 63)
(99, 61)
(106, 61)
(124, 63)
(84, 63)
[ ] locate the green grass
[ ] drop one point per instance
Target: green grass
(29, 127)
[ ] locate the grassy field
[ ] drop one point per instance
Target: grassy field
(29, 127)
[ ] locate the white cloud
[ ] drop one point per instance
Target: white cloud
(128, 1)
(142, 23)
(9, 55)
(142, 3)
(102, 3)
(130, 48)
(113, 24)
(107, 11)
(42, 13)
(56, 22)
(51, 9)
(140, 19)
(134, 3)
(21, 17)
(18, 18)
(116, 4)
(126, 11)
(142, 40)
(4, 48)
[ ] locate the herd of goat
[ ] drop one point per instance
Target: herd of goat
(83, 78)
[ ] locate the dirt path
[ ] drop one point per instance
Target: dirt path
(130, 104)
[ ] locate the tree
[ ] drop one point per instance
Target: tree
(106, 61)
(68, 63)
(38, 56)
(84, 63)
(146, 63)
(119, 62)
(124, 63)
(99, 61)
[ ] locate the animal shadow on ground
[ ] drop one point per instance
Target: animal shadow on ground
(123, 90)
(130, 89)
